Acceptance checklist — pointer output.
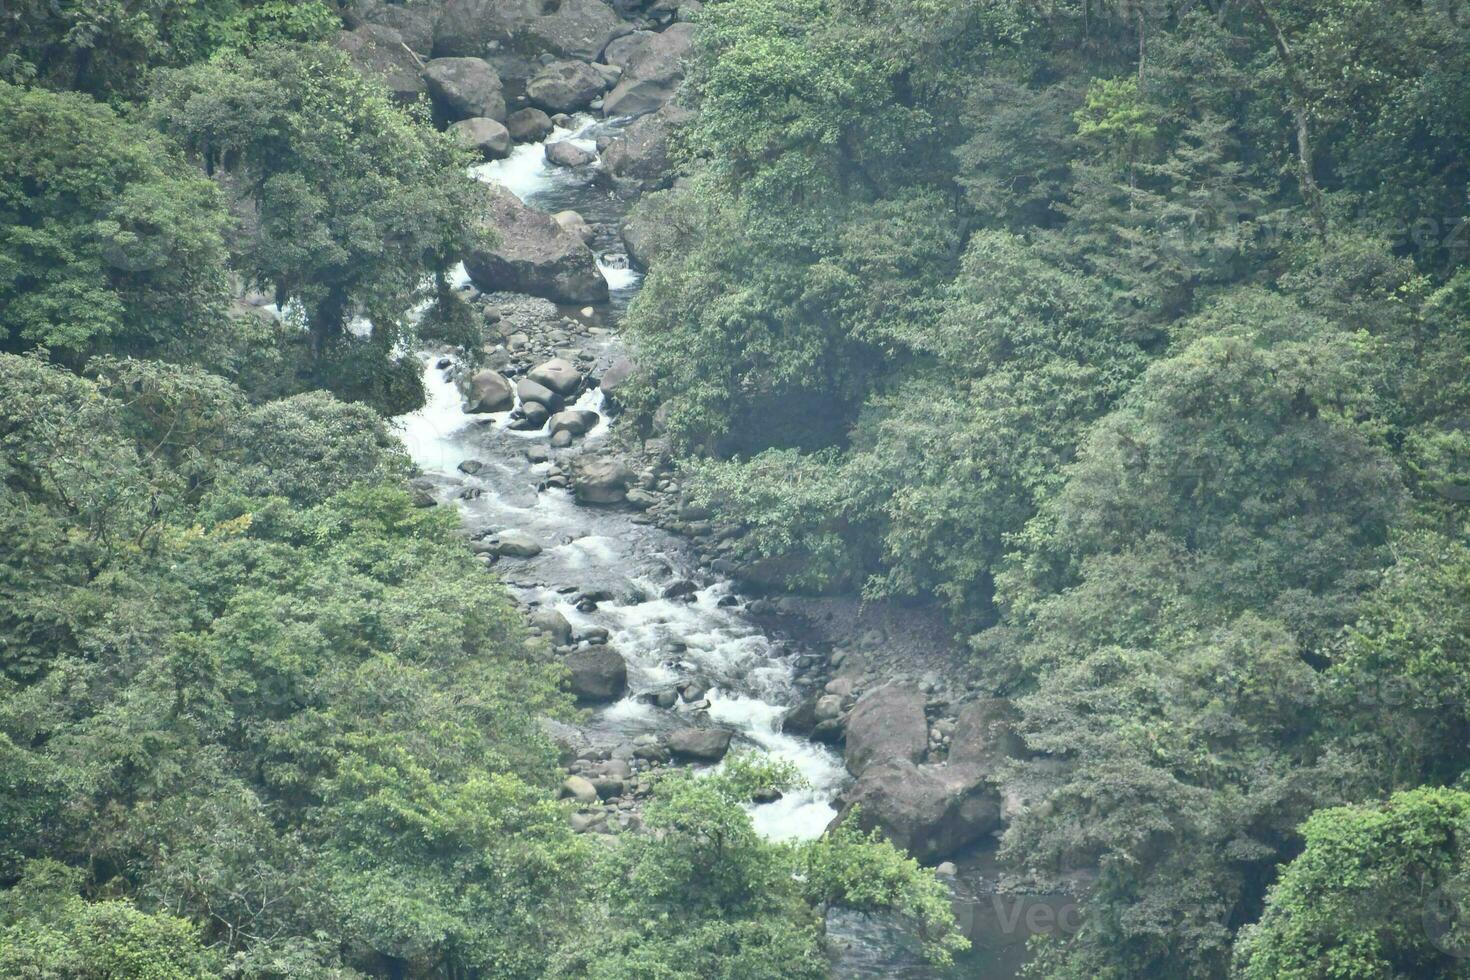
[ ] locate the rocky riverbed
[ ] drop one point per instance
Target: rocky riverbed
(635, 590)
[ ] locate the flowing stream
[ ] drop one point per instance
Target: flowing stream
(748, 672)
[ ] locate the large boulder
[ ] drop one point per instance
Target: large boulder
(486, 136)
(379, 53)
(515, 544)
(569, 740)
(577, 421)
(699, 744)
(558, 374)
(640, 157)
(601, 481)
(534, 393)
(488, 391)
(615, 379)
(640, 238)
(565, 153)
(525, 29)
(528, 125)
(573, 222)
(887, 724)
(553, 624)
(413, 22)
(620, 49)
(464, 88)
(534, 255)
(652, 73)
(985, 734)
(930, 811)
(801, 718)
(598, 674)
(565, 86)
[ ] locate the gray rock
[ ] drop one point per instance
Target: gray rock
(610, 73)
(414, 23)
(565, 86)
(558, 374)
(616, 378)
(801, 719)
(608, 786)
(652, 73)
(532, 392)
(601, 481)
(640, 499)
(488, 391)
(516, 544)
(583, 823)
(553, 624)
(422, 492)
(488, 137)
(598, 674)
(574, 223)
(528, 125)
(579, 789)
(930, 811)
(577, 421)
(985, 734)
(534, 255)
(465, 88)
(527, 28)
(620, 49)
(568, 739)
(700, 744)
(565, 153)
(379, 53)
(640, 156)
(639, 235)
(887, 724)
(829, 706)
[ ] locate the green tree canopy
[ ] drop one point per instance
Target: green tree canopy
(349, 204)
(109, 241)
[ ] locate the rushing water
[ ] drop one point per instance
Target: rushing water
(749, 673)
(586, 549)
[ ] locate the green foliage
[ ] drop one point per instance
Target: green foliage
(1403, 670)
(353, 204)
(1244, 449)
(251, 683)
(1176, 769)
(108, 48)
(109, 241)
(1378, 891)
(705, 896)
(863, 871)
(47, 931)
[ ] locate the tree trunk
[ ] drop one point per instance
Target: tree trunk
(1311, 193)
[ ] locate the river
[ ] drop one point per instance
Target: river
(749, 671)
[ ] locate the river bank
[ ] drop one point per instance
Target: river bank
(674, 662)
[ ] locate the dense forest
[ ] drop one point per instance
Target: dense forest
(1130, 342)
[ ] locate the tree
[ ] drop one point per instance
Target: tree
(350, 204)
(107, 48)
(1245, 450)
(110, 241)
(47, 931)
(1378, 891)
(705, 896)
